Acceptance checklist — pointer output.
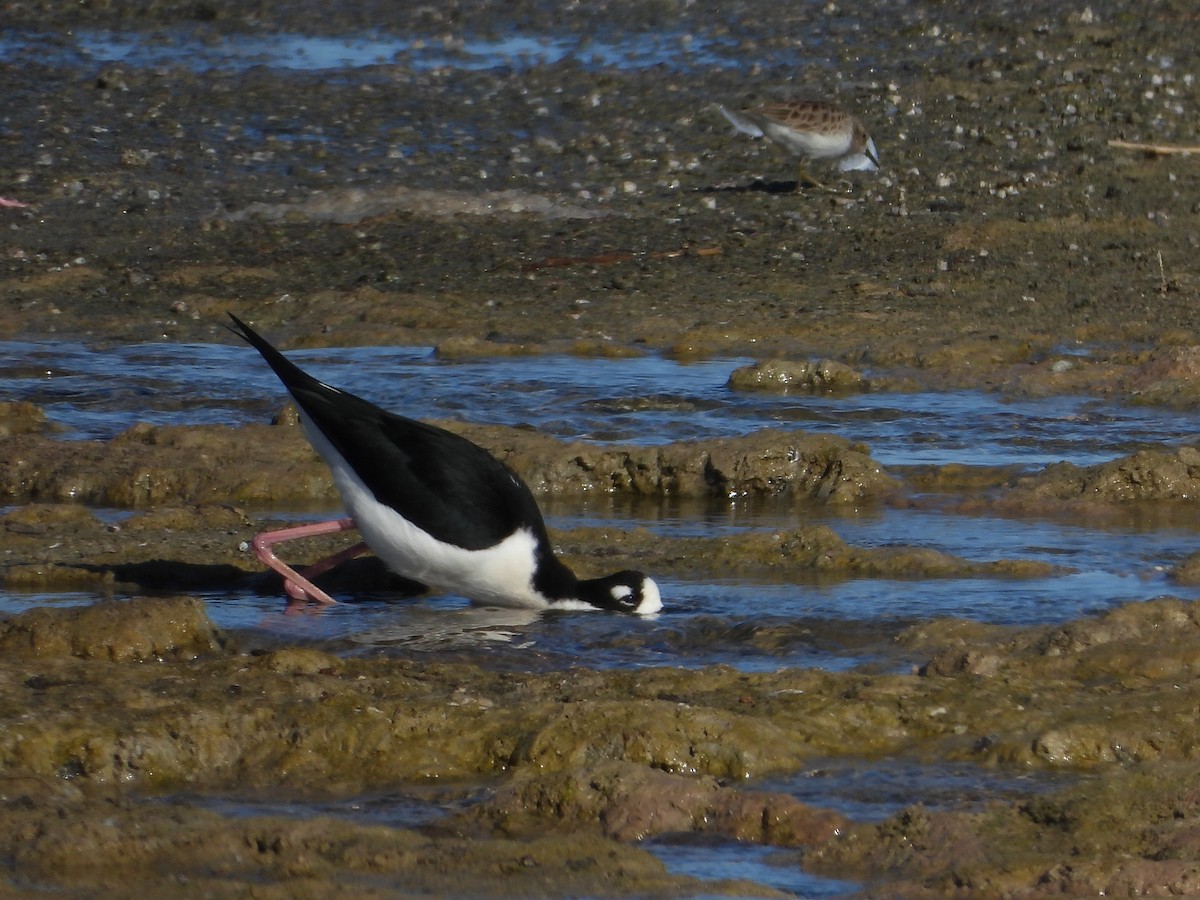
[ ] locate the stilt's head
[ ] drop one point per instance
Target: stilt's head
(627, 591)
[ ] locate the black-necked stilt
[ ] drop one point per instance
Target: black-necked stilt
(434, 507)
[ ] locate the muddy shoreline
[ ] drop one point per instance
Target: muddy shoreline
(600, 210)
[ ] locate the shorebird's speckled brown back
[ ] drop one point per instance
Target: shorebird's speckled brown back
(809, 115)
(815, 116)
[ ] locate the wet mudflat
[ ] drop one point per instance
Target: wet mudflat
(916, 459)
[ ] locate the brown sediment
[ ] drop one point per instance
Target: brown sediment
(574, 764)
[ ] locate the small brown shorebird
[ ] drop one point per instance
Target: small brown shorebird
(810, 130)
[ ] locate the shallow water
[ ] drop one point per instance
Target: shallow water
(201, 49)
(96, 392)
(870, 790)
(710, 860)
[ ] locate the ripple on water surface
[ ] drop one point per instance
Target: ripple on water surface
(95, 392)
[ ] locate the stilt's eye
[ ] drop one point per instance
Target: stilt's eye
(623, 594)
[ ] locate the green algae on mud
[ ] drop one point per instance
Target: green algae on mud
(260, 464)
(177, 850)
(1130, 833)
(141, 699)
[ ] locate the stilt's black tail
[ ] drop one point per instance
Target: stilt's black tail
(293, 377)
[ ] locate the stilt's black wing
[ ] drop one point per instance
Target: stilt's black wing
(439, 481)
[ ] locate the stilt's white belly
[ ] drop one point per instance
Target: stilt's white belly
(501, 575)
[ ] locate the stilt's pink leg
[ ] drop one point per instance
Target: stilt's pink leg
(17, 204)
(297, 584)
(330, 562)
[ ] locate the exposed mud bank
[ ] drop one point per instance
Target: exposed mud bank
(557, 772)
(1001, 203)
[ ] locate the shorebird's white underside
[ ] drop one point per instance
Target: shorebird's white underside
(807, 144)
(501, 575)
(861, 162)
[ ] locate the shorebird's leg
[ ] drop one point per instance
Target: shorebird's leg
(803, 178)
(13, 204)
(298, 585)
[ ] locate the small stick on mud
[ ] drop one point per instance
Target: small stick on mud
(1155, 149)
